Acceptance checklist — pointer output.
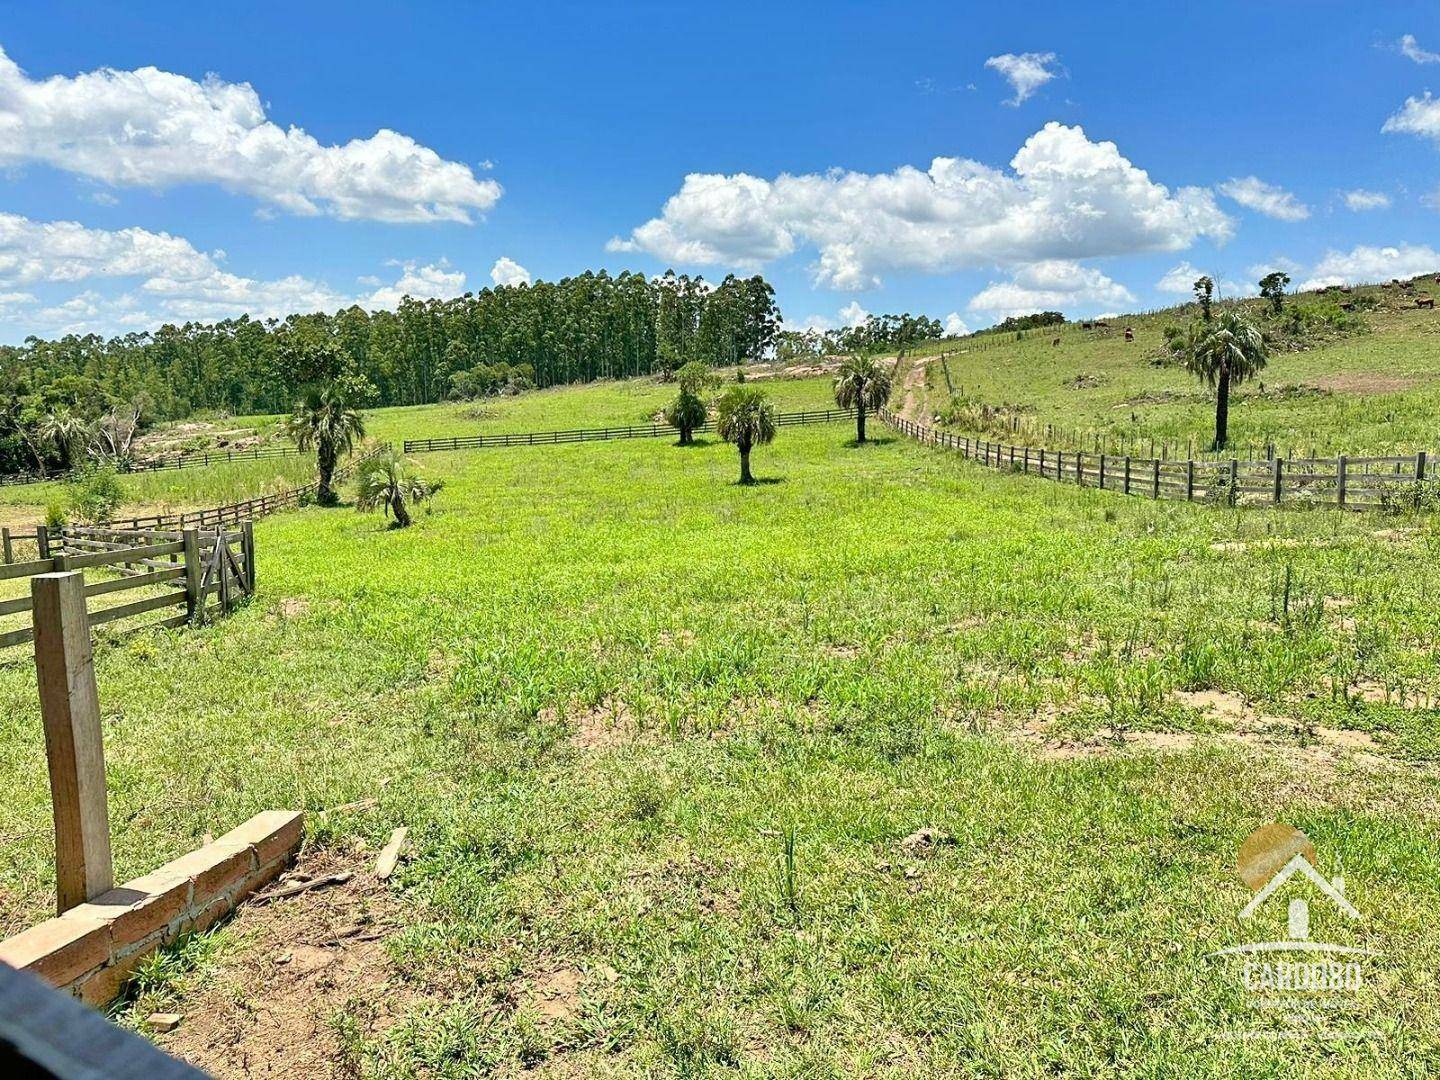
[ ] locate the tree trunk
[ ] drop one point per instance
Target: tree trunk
(325, 491)
(685, 437)
(860, 423)
(745, 477)
(402, 515)
(1222, 409)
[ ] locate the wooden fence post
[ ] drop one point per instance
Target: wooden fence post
(1340, 480)
(70, 709)
(9, 550)
(1279, 480)
(194, 601)
(1190, 480)
(1234, 482)
(1155, 478)
(1419, 475)
(42, 541)
(247, 554)
(1126, 489)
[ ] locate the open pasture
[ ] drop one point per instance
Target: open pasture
(664, 744)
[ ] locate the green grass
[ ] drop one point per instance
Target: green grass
(1375, 391)
(774, 686)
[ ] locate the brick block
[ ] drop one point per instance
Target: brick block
(214, 868)
(139, 908)
(60, 950)
(273, 833)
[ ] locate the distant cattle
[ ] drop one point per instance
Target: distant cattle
(1055, 342)
(1346, 289)
(1349, 305)
(1129, 333)
(1091, 326)
(1425, 301)
(1102, 326)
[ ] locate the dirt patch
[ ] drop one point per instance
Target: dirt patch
(554, 996)
(268, 1010)
(599, 727)
(294, 607)
(1365, 382)
(912, 390)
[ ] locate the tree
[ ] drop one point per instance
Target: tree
(1224, 353)
(1204, 296)
(67, 432)
(1272, 288)
(745, 417)
(687, 412)
(325, 422)
(388, 483)
(862, 384)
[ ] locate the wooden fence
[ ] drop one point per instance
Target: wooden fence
(192, 459)
(640, 431)
(1359, 483)
(182, 569)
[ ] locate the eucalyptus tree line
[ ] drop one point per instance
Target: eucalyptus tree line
(592, 326)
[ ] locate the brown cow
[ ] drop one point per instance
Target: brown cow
(1056, 342)
(1129, 333)
(1425, 301)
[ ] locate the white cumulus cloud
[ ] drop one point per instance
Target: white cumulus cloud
(852, 314)
(1052, 284)
(1410, 48)
(1025, 72)
(1418, 116)
(955, 326)
(1179, 279)
(1360, 200)
(165, 280)
(507, 271)
(155, 129)
(1065, 197)
(1370, 263)
(1255, 194)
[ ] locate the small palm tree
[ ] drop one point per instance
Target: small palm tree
(862, 384)
(687, 412)
(387, 483)
(65, 431)
(325, 421)
(1222, 353)
(745, 417)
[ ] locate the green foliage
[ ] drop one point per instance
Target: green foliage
(1035, 321)
(1272, 289)
(1204, 296)
(862, 384)
(94, 494)
(491, 380)
(744, 416)
(325, 421)
(389, 482)
(1411, 496)
(57, 515)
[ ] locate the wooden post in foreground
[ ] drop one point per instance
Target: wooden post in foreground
(194, 600)
(70, 708)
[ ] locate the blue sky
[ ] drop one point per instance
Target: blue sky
(149, 170)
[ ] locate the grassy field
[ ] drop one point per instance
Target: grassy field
(1375, 390)
(660, 741)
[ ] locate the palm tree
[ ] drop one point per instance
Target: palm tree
(861, 384)
(745, 417)
(65, 431)
(1227, 351)
(387, 483)
(325, 421)
(687, 412)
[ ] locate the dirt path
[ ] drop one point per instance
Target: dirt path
(912, 383)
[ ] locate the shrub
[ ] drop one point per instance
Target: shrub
(1410, 496)
(95, 494)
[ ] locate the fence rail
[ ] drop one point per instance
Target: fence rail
(634, 431)
(192, 459)
(1360, 483)
(187, 568)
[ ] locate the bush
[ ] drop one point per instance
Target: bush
(1410, 496)
(55, 516)
(95, 495)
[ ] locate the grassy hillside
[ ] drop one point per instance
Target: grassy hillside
(660, 742)
(1373, 389)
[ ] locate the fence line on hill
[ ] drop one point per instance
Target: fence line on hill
(1358, 483)
(637, 431)
(192, 459)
